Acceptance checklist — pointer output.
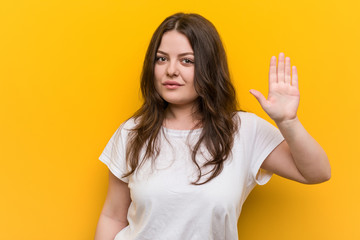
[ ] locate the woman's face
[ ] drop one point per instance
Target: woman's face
(174, 69)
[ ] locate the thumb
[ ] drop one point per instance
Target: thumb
(258, 95)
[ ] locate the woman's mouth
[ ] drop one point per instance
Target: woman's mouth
(172, 84)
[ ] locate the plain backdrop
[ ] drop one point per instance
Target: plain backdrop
(69, 76)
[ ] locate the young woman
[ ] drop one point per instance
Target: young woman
(183, 165)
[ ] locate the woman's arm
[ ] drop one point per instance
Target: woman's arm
(113, 216)
(299, 157)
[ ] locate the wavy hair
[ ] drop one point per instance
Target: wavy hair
(216, 104)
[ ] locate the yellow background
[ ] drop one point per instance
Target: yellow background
(69, 75)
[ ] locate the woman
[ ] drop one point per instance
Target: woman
(183, 165)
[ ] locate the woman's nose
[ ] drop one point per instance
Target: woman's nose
(172, 69)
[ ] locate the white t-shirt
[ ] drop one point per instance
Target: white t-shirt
(166, 206)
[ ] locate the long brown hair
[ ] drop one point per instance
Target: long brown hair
(216, 103)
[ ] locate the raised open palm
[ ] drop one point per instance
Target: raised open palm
(283, 98)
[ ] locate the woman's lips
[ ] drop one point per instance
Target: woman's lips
(169, 86)
(172, 84)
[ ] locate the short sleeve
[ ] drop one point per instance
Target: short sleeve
(114, 154)
(265, 139)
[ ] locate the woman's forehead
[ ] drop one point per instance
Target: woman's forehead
(175, 42)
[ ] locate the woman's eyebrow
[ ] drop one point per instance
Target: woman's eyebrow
(181, 54)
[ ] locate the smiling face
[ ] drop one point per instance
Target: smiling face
(174, 69)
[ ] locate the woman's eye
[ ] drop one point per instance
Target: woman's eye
(188, 61)
(160, 59)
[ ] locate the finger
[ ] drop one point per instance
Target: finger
(287, 70)
(280, 68)
(272, 70)
(258, 95)
(294, 81)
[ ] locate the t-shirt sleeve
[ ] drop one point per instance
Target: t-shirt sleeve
(114, 154)
(265, 139)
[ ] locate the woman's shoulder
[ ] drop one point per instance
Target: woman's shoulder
(250, 120)
(123, 131)
(250, 123)
(246, 116)
(128, 124)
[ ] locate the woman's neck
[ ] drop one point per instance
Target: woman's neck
(181, 117)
